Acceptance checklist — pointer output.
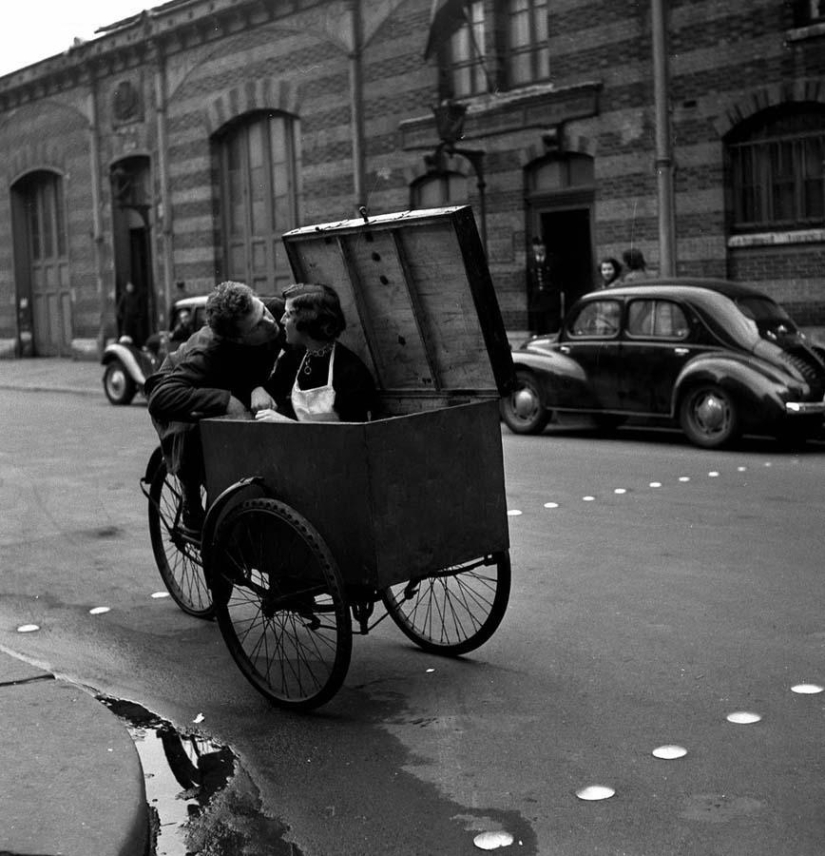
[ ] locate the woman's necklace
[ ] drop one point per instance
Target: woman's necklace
(317, 353)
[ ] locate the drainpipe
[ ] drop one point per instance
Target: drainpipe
(357, 104)
(165, 213)
(664, 155)
(97, 227)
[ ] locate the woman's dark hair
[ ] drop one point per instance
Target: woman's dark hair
(617, 266)
(229, 302)
(634, 259)
(317, 310)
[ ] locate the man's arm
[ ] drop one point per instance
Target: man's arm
(184, 394)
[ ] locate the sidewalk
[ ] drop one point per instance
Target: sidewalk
(84, 377)
(71, 780)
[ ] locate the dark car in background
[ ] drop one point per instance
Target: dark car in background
(127, 366)
(715, 357)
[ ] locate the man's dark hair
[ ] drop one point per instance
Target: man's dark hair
(227, 303)
(317, 309)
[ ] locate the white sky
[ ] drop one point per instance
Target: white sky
(36, 29)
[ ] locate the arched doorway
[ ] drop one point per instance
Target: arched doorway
(132, 237)
(560, 196)
(41, 268)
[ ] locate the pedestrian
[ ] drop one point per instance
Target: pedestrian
(610, 271)
(130, 314)
(219, 371)
(635, 263)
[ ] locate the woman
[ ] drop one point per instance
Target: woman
(317, 379)
(610, 271)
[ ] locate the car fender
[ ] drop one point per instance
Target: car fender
(561, 379)
(760, 395)
(128, 357)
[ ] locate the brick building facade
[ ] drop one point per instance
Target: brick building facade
(179, 145)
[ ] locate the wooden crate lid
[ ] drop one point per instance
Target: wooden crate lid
(420, 305)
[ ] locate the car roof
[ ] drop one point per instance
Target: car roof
(685, 285)
(191, 302)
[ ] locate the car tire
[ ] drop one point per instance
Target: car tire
(523, 410)
(118, 384)
(708, 416)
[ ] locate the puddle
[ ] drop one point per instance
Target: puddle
(200, 798)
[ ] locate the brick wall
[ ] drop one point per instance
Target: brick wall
(727, 61)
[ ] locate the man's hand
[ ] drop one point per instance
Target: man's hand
(261, 400)
(236, 409)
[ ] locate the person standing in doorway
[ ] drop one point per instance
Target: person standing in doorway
(130, 314)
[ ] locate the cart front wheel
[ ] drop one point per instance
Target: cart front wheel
(454, 610)
(280, 604)
(177, 554)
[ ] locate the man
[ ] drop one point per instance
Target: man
(220, 371)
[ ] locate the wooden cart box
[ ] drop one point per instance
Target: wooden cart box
(422, 486)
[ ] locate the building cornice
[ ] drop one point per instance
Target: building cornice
(543, 106)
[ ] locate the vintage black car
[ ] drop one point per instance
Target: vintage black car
(127, 366)
(716, 357)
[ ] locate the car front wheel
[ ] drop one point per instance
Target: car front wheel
(523, 410)
(118, 384)
(708, 416)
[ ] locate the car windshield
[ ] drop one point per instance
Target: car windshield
(770, 317)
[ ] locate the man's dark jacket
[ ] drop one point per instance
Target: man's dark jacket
(197, 380)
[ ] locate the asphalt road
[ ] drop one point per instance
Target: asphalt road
(657, 589)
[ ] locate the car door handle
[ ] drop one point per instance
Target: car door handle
(681, 352)
(564, 349)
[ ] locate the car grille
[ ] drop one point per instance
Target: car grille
(809, 366)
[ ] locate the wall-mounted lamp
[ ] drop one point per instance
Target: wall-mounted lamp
(449, 125)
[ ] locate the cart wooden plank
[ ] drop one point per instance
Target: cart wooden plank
(423, 311)
(392, 498)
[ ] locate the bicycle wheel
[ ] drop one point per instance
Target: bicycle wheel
(280, 604)
(454, 610)
(178, 555)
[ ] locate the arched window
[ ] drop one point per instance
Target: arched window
(258, 198)
(561, 173)
(775, 171)
(439, 189)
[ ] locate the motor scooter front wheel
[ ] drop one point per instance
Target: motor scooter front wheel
(118, 384)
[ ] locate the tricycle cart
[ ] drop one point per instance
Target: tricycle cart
(310, 525)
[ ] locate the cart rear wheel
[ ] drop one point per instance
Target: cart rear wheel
(454, 610)
(280, 604)
(178, 555)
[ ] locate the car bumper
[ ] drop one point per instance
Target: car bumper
(804, 408)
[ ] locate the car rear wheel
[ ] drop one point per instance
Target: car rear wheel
(118, 384)
(523, 410)
(708, 416)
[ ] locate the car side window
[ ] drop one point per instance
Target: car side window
(598, 319)
(657, 319)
